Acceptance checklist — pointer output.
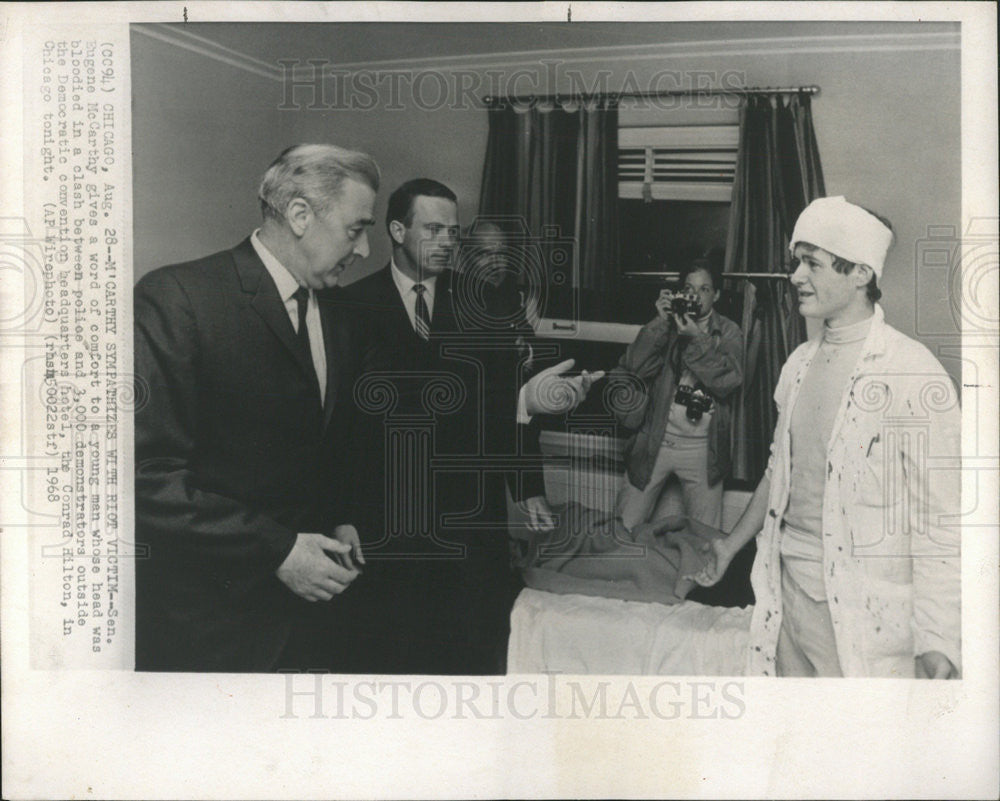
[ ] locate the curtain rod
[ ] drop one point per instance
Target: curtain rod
(750, 90)
(783, 276)
(724, 275)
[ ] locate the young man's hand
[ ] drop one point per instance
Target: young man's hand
(718, 552)
(935, 665)
(716, 548)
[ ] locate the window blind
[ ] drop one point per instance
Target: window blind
(693, 162)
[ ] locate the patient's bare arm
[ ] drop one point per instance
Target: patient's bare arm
(720, 551)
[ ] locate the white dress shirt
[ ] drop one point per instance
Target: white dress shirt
(405, 284)
(287, 287)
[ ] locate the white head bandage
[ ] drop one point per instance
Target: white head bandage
(845, 230)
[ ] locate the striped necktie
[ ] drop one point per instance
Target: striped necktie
(421, 317)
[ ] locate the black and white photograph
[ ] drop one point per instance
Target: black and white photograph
(331, 471)
(440, 401)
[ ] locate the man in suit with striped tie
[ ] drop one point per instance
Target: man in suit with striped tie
(438, 594)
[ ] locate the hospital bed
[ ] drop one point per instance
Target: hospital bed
(580, 634)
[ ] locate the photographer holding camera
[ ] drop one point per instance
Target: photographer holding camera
(688, 361)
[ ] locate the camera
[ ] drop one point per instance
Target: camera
(695, 400)
(685, 302)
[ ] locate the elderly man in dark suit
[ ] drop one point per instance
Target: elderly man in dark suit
(241, 500)
(439, 587)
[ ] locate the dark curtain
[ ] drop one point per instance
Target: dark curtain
(596, 217)
(778, 173)
(551, 172)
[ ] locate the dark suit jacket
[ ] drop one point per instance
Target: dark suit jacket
(490, 358)
(234, 456)
(451, 605)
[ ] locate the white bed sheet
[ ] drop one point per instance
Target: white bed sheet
(579, 634)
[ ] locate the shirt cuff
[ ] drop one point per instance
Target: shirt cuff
(523, 418)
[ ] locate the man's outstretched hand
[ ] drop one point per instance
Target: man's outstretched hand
(550, 392)
(310, 573)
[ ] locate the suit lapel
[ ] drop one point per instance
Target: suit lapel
(257, 281)
(337, 348)
(442, 315)
(400, 320)
(443, 318)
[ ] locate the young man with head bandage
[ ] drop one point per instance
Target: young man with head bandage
(857, 567)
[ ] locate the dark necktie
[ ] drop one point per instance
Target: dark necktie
(302, 299)
(421, 317)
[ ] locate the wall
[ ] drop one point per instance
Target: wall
(887, 122)
(202, 135)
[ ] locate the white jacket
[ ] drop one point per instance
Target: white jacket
(890, 511)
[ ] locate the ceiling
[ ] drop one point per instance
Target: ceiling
(360, 42)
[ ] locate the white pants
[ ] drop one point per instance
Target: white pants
(687, 458)
(807, 645)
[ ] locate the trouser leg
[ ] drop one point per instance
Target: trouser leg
(807, 645)
(702, 501)
(635, 505)
(791, 661)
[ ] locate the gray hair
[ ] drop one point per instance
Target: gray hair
(315, 173)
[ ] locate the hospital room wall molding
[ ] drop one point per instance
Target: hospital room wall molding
(259, 64)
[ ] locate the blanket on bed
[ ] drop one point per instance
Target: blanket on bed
(591, 552)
